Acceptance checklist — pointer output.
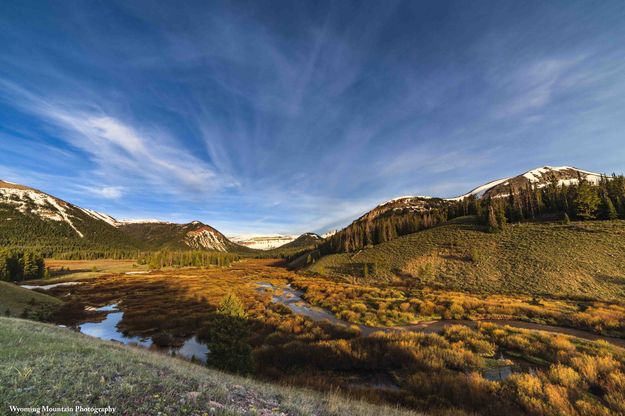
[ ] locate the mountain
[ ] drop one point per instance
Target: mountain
(539, 177)
(195, 235)
(408, 214)
(32, 218)
(403, 205)
(263, 242)
(304, 240)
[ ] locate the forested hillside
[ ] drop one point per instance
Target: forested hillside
(601, 198)
(29, 230)
(35, 221)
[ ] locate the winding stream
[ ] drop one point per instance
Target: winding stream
(52, 286)
(292, 298)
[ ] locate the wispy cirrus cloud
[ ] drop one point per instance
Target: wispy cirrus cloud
(534, 85)
(120, 152)
(108, 192)
(302, 115)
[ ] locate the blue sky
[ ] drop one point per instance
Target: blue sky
(286, 117)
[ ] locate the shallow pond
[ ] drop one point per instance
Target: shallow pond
(107, 330)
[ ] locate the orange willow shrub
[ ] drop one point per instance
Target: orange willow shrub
(373, 305)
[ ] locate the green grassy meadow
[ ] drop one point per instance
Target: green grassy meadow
(582, 259)
(16, 300)
(89, 269)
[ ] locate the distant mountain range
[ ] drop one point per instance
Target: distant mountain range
(29, 217)
(263, 242)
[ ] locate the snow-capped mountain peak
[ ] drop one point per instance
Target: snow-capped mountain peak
(102, 217)
(31, 201)
(539, 177)
(260, 242)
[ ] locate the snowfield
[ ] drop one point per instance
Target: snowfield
(38, 203)
(263, 242)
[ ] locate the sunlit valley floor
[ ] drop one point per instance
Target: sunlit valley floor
(429, 350)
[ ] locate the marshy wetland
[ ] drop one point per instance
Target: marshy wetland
(398, 345)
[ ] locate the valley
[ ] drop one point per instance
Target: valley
(491, 303)
(312, 208)
(330, 333)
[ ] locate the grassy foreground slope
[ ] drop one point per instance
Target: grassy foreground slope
(41, 364)
(579, 259)
(16, 299)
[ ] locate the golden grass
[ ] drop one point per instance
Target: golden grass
(384, 305)
(426, 370)
(178, 301)
(88, 269)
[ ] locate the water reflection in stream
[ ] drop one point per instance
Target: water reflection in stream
(292, 298)
(107, 330)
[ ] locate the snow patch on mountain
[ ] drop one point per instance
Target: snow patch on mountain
(312, 235)
(480, 190)
(204, 238)
(102, 217)
(38, 203)
(539, 177)
(405, 198)
(259, 242)
(142, 221)
(330, 233)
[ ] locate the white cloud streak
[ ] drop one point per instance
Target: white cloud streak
(121, 152)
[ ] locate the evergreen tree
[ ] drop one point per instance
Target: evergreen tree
(621, 207)
(228, 337)
(586, 201)
(500, 214)
(4, 268)
(231, 306)
(608, 211)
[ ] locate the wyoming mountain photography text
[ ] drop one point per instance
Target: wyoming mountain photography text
(72, 409)
(312, 208)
